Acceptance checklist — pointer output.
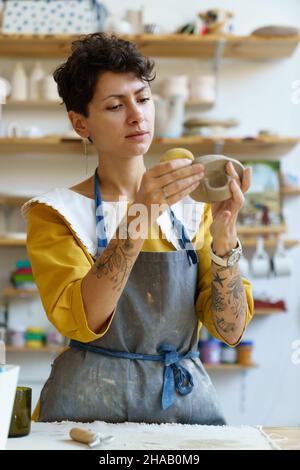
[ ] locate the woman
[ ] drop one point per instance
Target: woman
(132, 299)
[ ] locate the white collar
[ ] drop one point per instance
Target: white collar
(79, 212)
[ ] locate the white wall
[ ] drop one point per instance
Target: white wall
(257, 93)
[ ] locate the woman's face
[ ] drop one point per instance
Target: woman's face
(121, 106)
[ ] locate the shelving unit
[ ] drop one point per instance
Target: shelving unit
(290, 191)
(246, 234)
(241, 148)
(45, 349)
(11, 242)
(268, 243)
(229, 367)
(169, 45)
(173, 46)
(60, 349)
(14, 104)
(14, 200)
(14, 293)
(263, 230)
(238, 147)
(268, 311)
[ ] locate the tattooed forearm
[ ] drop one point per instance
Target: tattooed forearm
(224, 325)
(103, 285)
(229, 303)
(116, 261)
(217, 279)
(217, 300)
(236, 296)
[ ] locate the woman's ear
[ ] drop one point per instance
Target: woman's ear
(78, 122)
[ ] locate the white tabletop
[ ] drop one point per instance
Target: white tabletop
(129, 436)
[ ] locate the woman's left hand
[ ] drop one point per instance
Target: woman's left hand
(223, 228)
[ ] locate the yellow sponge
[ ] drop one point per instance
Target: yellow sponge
(172, 154)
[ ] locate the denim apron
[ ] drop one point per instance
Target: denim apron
(146, 368)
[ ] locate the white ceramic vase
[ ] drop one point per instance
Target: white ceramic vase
(19, 83)
(36, 76)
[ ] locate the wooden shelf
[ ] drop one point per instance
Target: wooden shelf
(241, 148)
(12, 293)
(50, 144)
(10, 104)
(14, 104)
(12, 242)
(167, 45)
(204, 105)
(263, 230)
(268, 243)
(260, 147)
(14, 200)
(45, 349)
(268, 311)
(290, 191)
(229, 366)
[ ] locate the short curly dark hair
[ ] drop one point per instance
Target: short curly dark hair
(92, 55)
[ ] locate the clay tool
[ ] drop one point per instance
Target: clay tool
(92, 439)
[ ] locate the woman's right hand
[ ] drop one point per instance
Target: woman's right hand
(168, 182)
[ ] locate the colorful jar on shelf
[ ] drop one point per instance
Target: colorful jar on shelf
(17, 337)
(228, 354)
(35, 337)
(210, 351)
(54, 338)
(244, 353)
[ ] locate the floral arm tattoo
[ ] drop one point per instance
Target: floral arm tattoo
(229, 303)
(116, 261)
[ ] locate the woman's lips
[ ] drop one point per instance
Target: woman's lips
(137, 137)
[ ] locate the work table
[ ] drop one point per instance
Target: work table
(129, 436)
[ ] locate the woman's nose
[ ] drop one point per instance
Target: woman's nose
(135, 115)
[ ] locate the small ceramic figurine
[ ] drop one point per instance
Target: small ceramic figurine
(215, 20)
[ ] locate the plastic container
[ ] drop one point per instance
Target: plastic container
(228, 354)
(244, 353)
(17, 337)
(35, 337)
(54, 338)
(210, 351)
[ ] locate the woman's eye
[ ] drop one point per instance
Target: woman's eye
(115, 107)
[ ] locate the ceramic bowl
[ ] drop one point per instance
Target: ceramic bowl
(215, 186)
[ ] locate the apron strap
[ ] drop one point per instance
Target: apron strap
(183, 238)
(100, 222)
(175, 375)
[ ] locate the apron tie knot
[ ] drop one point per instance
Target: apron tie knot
(175, 375)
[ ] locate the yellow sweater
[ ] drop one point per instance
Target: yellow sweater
(60, 261)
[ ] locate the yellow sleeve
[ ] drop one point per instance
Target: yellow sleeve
(204, 300)
(59, 263)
